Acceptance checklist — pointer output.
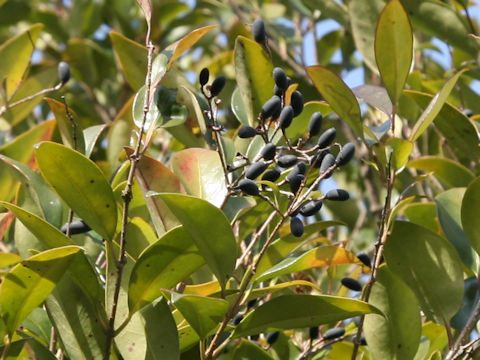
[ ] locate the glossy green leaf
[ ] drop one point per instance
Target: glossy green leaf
(91, 136)
(132, 57)
(119, 134)
(458, 129)
(247, 350)
(209, 229)
(363, 16)
(65, 125)
(253, 71)
(15, 56)
(394, 48)
(140, 235)
(88, 62)
(430, 266)
(400, 150)
(153, 114)
(280, 248)
(186, 97)
(267, 290)
(301, 311)
(81, 184)
(470, 207)
(76, 320)
(152, 175)
(238, 107)
(317, 257)
(202, 313)
(434, 107)
(338, 95)
(300, 124)
(29, 283)
(449, 204)
(201, 173)
(423, 213)
(8, 259)
(185, 43)
(450, 173)
(374, 95)
(397, 335)
(161, 266)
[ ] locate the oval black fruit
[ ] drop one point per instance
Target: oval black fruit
(287, 161)
(248, 187)
(334, 333)
(246, 132)
(296, 100)
(217, 85)
(364, 258)
(295, 182)
(277, 91)
(313, 332)
(271, 175)
(258, 30)
(280, 78)
(286, 117)
(300, 168)
(337, 195)
(268, 151)
(296, 226)
(316, 160)
(204, 76)
(272, 337)
(327, 162)
(251, 303)
(326, 139)
(271, 107)
(76, 227)
(346, 154)
(254, 170)
(315, 124)
(63, 71)
(352, 284)
(237, 318)
(311, 207)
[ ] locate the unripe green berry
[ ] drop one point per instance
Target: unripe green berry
(287, 161)
(63, 72)
(315, 124)
(286, 117)
(258, 30)
(351, 284)
(280, 78)
(268, 151)
(296, 101)
(217, 85)
(346, 154)
(334, 333)
(255, 169)
(327, 138)
(204, 76)
(248, 187)
(271, 107)
(296, 226)
(337, 195)
(246, 132)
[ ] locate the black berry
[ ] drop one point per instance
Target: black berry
(315, 124)
(271, 107)
(326, 139)
(286, 117)
(268, 151)
(63, 71)
(280, 78)
(76, 227)
(246, 132)
(217, 85)
(296, 226)
(204, 76)
(311, 207)
(352, 284)
(337, 195)
(248, 187)
(296, 100)
(271, 175)
(254, 170)
(287, 161)
(258, 30)
(334, 333)
(346, 154)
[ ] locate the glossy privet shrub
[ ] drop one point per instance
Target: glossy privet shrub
(155, 218)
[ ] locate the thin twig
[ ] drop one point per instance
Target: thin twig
(456, 350)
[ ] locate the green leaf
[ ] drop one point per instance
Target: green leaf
(280, 248)
(202, 313)
(458, 129)
(397, 335)
(400, 150)
(161, 266)
(238, 107)
(209, 229)
(153, 114)
(338, 95)
(317, 257)
(394, 48)
(15, 56)
(78, 323)
(449, 204)
(81, 184)
(430, 266)
(132, 57)
(363, 16)
(301, 311)
(470, 207)
(8, 259)
(434, 107)
(152, 175)
(248, 350)
(29, 283)
(253, 71)
(201, 173)
(374, 95)
(450, 173)
(91, 136)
